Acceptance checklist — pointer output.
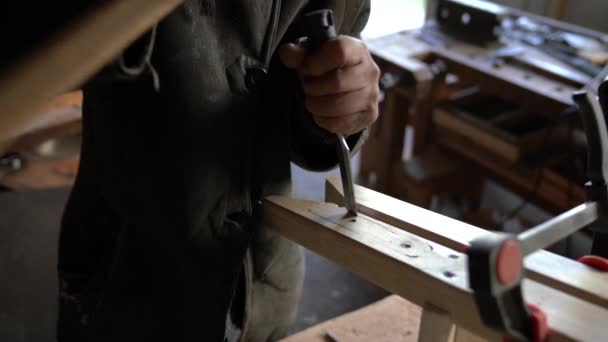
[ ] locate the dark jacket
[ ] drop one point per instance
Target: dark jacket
(200, 122)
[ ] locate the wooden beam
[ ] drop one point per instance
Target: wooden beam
(435, 326)
(71, 56)
(419, 270)
(463, 335)
(548, 268)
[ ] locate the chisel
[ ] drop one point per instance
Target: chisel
(320, 27)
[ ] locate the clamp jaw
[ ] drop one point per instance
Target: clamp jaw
(495, 274)
(593, 106)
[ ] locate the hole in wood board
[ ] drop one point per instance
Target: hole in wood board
(449, 274)
(453, 256)
(406, 245)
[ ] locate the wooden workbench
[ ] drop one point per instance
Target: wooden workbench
(420, 69)
(418, 255)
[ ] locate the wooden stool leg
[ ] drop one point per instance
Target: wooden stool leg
(463, 335)
(435, 326)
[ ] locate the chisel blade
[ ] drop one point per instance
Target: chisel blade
(346, 175)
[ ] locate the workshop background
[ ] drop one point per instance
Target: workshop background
(42, 164)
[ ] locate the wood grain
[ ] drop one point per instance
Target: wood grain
(550, 269)
(419, 270)
(71, 56)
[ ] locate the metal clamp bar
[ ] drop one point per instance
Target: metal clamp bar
(557, 228)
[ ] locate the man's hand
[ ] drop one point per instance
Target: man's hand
(340, 81)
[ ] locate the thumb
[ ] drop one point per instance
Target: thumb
(292, 55)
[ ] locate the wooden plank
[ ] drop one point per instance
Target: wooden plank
(388, 320)
(61, 109)
(481, 135)
(71, 56)
(419, 270)
(403, 50)
(37, 174)
(551, 269)
(49, 147)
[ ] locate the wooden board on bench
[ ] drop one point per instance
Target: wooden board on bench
(390, 319)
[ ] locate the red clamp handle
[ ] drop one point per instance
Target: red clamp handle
(599, 263)
(540, 324)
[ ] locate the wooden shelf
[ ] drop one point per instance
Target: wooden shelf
(550, 192)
